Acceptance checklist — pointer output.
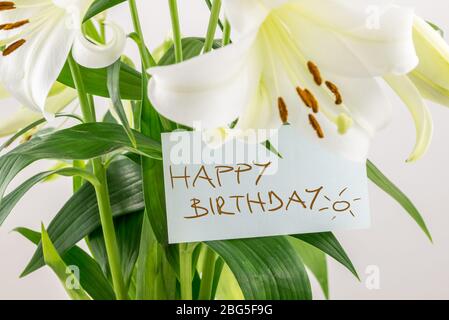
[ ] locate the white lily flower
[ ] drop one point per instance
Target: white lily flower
(311, 63)
(59, 97)
(38, 36)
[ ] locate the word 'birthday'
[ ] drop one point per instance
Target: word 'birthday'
(271, 203)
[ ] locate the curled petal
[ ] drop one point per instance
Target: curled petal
(208, 91)
(95, 56)
(408, 92)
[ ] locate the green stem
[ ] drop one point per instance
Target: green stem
(176, 29)
(102, 193)
(207, 274)
(102, 32)
(147, 58)
(226, 33)
(77, 180)
(209, 5)
(212, 27)
(185, 270)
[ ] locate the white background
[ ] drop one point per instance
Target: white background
(410, 266)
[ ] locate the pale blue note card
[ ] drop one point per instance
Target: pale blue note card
(243, 190)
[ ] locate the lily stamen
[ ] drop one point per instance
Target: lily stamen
(13, 47)
(316, 126)
(14, 25)
(7, 5)
(308, 98)
(334, 89)
(283, 111)
(313, 68)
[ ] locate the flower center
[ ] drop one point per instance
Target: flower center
(23, 28)
(304, 75)
(10, 48)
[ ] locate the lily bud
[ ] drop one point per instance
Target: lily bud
(431, 77)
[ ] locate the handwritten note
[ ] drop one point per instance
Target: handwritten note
(243, 190)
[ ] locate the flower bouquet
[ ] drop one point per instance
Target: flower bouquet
(317, 67)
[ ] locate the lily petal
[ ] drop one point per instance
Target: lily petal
(210, 90)
(248, 15)
(260, 112)
(430, 90)
(94, 56)
(3, 93)
(353, 145)
(345, 37)
(29, 73)
(366, 100)
(24, 116)
(408, 92)
(83, 4)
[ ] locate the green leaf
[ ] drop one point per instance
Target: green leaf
(228, 288)
(109, 118)
(23, 131)
(91, 31)
(92, 278)
(33, 236)
(269, 146)
(80, 142)
(315, 261)
(95, 81)
(265, 268)
(79, 216)
(386, 185)
(128, 229)
(55, 262)
(9, 202)
(191, 47)
(327, 243)
(98, 6)
(219, 264)
(152, 170)
(146, 275)
(155, 277)
(114, 92)
(436, 28)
